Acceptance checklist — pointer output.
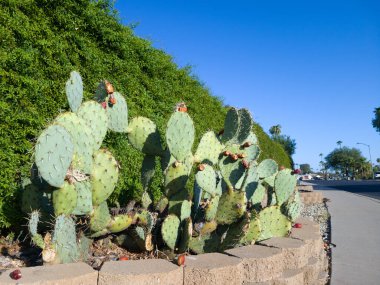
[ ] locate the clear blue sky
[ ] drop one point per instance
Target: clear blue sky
(311, 66)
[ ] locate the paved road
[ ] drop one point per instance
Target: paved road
(369, 188)
(355, 223)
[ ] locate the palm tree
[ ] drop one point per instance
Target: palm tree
(339, 143)
(275, 130)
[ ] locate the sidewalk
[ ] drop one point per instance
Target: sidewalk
(355, 223)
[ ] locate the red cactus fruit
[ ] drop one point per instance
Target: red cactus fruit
(296, 171)
(109, 87)
(123, 258)
(241, 155)
(245, 164)
(201, 167)
(226, 153)
(181, 260)
(282, 167)
(112, 99)
(104, 105)
(234, 157)
(297, 225)
(15, 274)
(181, 107)
(247, 144)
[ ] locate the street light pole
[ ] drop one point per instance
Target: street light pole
(370, 158)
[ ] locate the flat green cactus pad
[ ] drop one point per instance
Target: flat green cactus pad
(231, 170)
(82, 139)
(176, 177)
(65, 240)
(292, 207)
(54, 153)
(211, 208)
(118, 114)
(162, 204)
(245, 125)
(146, 200)
(208, 227)
(231, 126)
(144, 136)
(251, 182)
(74, 90)
(267, 168)
(258, 196)
(186, 233)
(65, 199)
(252, 138)
(206, 179)
(170, 230)
(147, 171)
(120, 223)
(209, 149)
(100, 218)
(273, 223)
(180, 135)
(284, 185)
(253, 232)
(232, 205)
(234, 234)
(104, 176)
(204, 243)
(84, 198)
(96, 119)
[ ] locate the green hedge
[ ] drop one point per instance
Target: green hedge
(42, 41)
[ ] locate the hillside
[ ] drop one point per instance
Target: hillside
(42, 41)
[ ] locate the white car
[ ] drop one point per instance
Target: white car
(377, 175)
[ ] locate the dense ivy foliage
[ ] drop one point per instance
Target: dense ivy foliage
(42, 41)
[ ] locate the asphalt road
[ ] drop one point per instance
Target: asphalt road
(368, 188)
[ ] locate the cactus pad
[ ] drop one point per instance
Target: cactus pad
(65, 199)
(284, 185)
(104, 176)
(144, 136)
(258, 196)
(273, 223)
(162, 204)
(54, 152)
(253, 232)
(245, 125)
(292, 208)
(208, 149)
(231, 170)
(251, 182)
(206, 179)
(176, 177)
(96, 119)
(118, 114)
(211, 208)
(74, 90)
(145, 200)
(204, 243)
(100, 218)
(169, 230)
(65, 240)
(186, 233)
(235, 233)
(180, 135)
(84, 198)
(232, 205)
(267, 168)
(82, 139)
(208, 227)
(231, 126)
(147, 171)
(120, 223)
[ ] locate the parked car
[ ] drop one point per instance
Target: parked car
(377, 175)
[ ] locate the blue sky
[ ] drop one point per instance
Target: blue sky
(311, 66)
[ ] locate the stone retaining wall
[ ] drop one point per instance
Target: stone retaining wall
(298, 259)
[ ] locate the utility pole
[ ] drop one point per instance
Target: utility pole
(370, 158)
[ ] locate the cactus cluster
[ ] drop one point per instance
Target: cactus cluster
(235, 200)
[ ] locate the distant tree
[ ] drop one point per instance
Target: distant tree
(305, 168)
(287, 143)
(378, 160)
(275, 130)
(346, 160)
(339, 143)
(376, 120)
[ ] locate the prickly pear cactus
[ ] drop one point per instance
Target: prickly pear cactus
(74, 90)
(169, 230)
(273, 223)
